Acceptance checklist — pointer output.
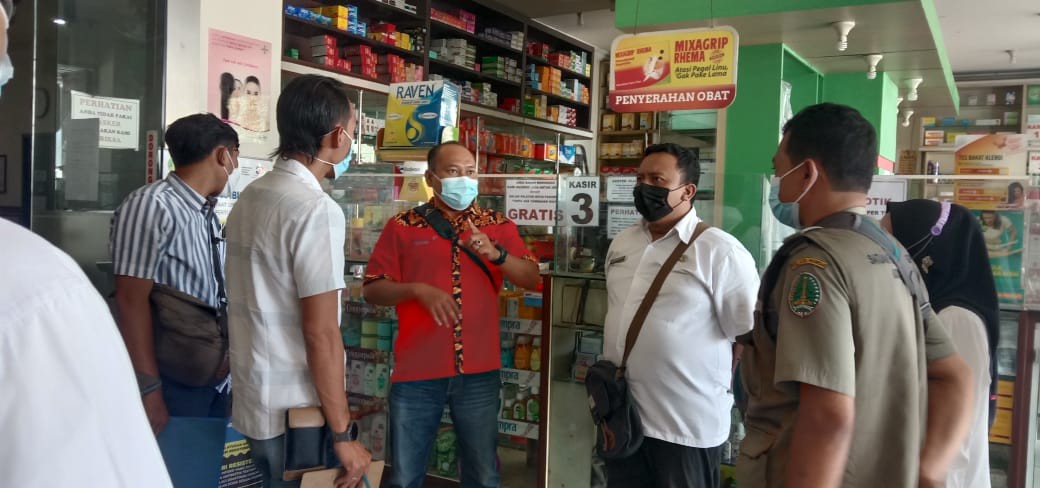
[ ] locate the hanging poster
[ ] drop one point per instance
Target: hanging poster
(674, 70)
(883, 191)
(118, 118)
(238, 85)
(1031, 254)
(1004, 231)
(531, 201)
(991, 155)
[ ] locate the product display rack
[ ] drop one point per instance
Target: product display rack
(298, 31)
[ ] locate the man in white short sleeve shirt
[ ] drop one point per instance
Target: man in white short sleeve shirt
(285, 240)
(680, 368)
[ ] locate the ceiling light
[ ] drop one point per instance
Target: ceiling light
(872, 62)
(1011, 56)
(911, 88)
(899, 101)
(59, 21)
(905, 115)
(581, 19)
(842, 29)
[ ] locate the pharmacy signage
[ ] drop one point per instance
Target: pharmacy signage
(674, 70)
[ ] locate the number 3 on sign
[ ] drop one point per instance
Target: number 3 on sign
(581, 201)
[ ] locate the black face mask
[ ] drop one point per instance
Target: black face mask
(652, 201)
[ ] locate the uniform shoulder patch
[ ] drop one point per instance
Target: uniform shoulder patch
(807, 261)
(805, 295)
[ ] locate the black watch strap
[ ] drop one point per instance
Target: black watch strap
(503, 254)
(349, 435)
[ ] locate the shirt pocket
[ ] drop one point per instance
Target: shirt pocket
(753, 460)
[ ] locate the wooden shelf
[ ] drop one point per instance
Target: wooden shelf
(379, 47)
(448, 29)
(566, 71)
(322, 67)
(552, 96)
(471, 72)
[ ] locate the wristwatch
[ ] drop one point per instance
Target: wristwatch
(349, 435)
(503, 254)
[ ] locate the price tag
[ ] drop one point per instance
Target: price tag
(581, 201)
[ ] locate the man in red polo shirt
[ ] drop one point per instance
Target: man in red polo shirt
(446, 294)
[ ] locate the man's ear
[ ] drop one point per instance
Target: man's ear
(690, 191)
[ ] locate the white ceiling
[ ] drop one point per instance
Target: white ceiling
(977, 33)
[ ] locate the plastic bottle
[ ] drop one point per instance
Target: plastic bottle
(522, 355)
(533, 408)
(519, 407)
(370, 385)
(507, 353)
(507, 411)
(536, 355)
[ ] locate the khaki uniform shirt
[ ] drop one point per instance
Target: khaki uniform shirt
(844, 322)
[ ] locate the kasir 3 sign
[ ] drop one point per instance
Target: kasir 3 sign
(674, 70)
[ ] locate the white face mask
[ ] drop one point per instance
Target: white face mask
(232, 179)
(6, 68)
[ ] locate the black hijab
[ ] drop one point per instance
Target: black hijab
(955, 264)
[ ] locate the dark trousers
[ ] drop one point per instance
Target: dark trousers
(660, 464)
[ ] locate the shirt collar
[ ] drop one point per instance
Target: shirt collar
(187, 193)
(298, 169)
(684, 227)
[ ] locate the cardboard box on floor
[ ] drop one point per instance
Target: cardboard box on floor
(326, 478)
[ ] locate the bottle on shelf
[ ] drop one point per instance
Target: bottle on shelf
(522, 355)
(536, 354)
(507, 352)
(507, 409)
(533, 407)
(520, 407)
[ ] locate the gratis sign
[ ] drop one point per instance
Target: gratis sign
(674, 70)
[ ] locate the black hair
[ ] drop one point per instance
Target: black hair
(227, 86)
(309, 107)
(190, 139)
(840, 139)
(1011, 191)
(997, 222)
(253, 79)
(431, 157)
(685, 159)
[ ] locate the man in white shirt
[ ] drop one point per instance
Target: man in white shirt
(285, 241)
(680, 368)
(70, 412)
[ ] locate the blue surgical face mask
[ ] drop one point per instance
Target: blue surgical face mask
(786, 213)
(459, 192)
(341, 167)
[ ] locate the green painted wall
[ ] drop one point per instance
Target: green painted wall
(875, 99)
(752, 131)
(630, 13)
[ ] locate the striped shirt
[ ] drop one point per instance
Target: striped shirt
(164, 232)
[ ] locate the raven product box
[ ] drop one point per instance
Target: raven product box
(417, 113)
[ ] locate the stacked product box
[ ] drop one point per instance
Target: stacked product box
(501, 67)
(460, 19)
(536, 106)
(545, 78)
(484, 95)
(456, 51)
(364, 61)
(562, 114)
(418, 113)
(514, 39)
(511, 104)
(324, 52)
(539, 50)
(575, 90)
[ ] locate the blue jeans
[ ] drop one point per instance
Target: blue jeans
(415, 415)
(194, 401)
(269, 458)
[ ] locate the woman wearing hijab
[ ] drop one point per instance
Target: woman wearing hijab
(947, 244)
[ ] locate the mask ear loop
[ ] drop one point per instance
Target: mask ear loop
(944, 216)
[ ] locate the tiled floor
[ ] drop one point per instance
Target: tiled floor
(514, 470)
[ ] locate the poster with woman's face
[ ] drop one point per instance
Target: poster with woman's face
(239, 84)
(1004, 233)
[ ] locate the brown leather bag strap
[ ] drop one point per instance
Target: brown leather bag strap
(651, 294)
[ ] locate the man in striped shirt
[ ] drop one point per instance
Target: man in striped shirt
(167, 233)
